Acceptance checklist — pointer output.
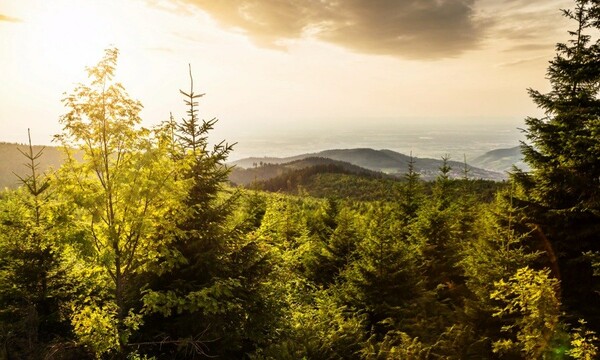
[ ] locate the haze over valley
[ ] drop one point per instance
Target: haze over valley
(423, 137)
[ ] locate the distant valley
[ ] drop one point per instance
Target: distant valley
(373, 163)
(490, 166)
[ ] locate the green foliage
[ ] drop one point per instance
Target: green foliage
(125, 186)
(37, 241)
(437, 231)
(322, 329)
(497, 251)
(395, 345)
(583, 343)
(97, 328)
(385, 280)
(532, 296)
(562, 190)
(412, 192)
(218, 292)
(339, 250)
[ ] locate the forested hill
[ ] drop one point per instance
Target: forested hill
(386, 161)
(334, 181)
(500, 160)
(270, 171)
(357, 161)
(12, 162)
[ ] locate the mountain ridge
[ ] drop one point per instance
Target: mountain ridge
(491, 165)
(501, 159)
(386, 161)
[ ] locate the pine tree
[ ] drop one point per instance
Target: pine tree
(563, 150)
(337, 251)
(436, 229)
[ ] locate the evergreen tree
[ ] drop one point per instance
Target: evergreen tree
(340, 250)
(215, 300)
(385, 281)
(498, 249)
(562, 190)
(412, 193)
(36, 285)
(436, 231)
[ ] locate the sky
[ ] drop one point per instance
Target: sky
(273, 69)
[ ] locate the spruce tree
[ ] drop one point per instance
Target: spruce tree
(562, 190)
(412, 194)
(210, 302)
(384, 281)
(36, 285)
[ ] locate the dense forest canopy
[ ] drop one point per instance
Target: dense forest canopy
(136, 247)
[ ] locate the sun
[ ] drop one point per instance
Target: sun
(67, 35)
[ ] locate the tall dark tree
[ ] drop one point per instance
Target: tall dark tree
(384, 281)
(412, 194)
(209, 302)
(562, 190)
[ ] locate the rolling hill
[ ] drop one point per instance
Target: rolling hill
(12, 162)
(501, 160)
(268, 171)
(386, 161)
(374, 163)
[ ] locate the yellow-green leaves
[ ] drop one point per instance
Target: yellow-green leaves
(127, 188)
(583, 343)
(529, 300)
(97, 327)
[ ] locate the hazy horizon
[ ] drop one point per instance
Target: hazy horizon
(429, 139)
(316, 73)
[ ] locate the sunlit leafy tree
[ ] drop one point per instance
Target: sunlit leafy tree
(125, 184)
(562, 190)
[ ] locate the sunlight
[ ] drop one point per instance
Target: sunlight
(68, 34)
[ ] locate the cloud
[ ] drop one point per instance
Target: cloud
(414, 29)
(530, 47)
(521, 62)
(527, 24)
(7, 18)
